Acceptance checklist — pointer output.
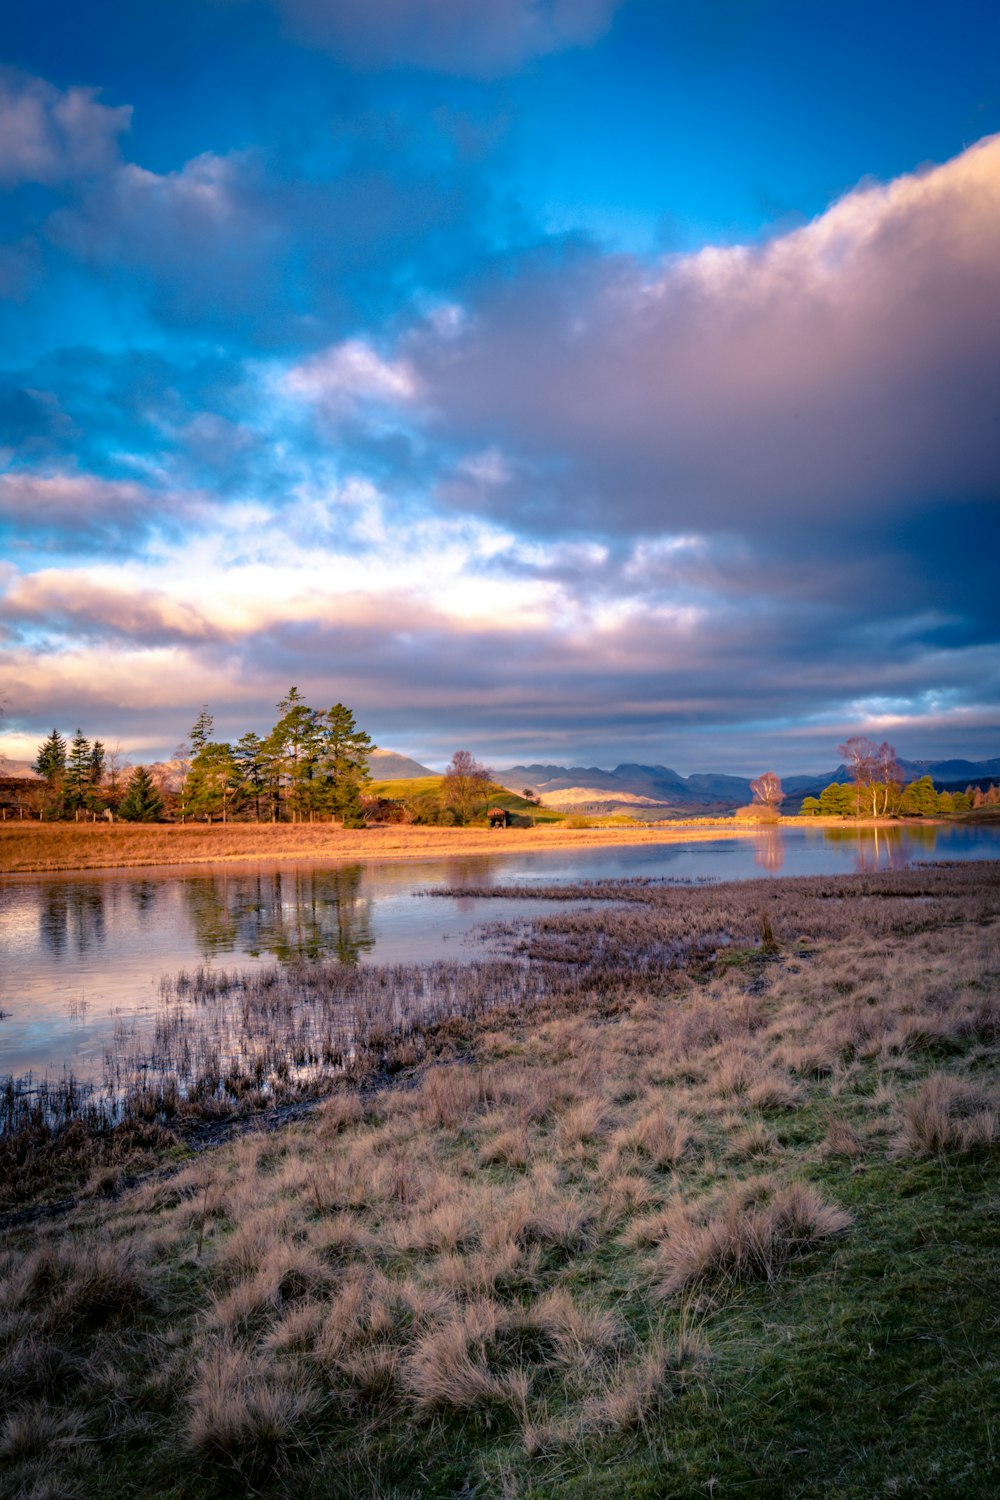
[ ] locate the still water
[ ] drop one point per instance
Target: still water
(79, 953)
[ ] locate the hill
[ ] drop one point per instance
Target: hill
(654, 792)
(388, 765)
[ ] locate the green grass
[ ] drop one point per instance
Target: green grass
(421, 791)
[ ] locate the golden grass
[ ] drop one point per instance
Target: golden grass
(42, 847)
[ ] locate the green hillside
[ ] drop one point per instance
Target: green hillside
(421, 793)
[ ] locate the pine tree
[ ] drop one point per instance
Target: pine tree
(836, 800)
(77, 779)
(296, 746)
(142, 802)
(251, 761)
(346, 749)
(50, 763)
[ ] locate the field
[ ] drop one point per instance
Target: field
(708, 1208)
(41, 847)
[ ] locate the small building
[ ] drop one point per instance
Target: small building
(498, 817)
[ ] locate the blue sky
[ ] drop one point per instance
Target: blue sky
(579, 380)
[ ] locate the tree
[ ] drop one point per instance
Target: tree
(919, 800)
(345, 753)
(50, 763)
(209, 783)
(77, 779)
(835, 801)
(767, 790)
(295, 745)
(874, 771)
(142, 802)
(466, 785)
(252, 765)
(811, 807)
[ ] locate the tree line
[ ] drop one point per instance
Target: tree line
(876, 789)
(313, 764)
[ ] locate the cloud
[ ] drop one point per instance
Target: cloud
(350, 373)
(844, 370)
(52, 136)
(464, 37)
(68, 510)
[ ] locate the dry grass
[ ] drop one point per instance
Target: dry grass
(513, 1243)
(28, 846)
(750, 1233)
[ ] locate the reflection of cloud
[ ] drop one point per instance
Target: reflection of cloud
(484, 37)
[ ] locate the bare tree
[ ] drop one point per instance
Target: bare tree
(767, 790)
(874, 771)
(466, 784)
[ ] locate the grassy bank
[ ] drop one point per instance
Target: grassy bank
(717, 1216)
(48, 847)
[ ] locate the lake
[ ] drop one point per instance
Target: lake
(83, 952)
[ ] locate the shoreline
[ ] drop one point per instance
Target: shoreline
(66, 848)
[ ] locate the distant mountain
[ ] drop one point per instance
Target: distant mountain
(386, 765)
(658, 791)
(18, 770)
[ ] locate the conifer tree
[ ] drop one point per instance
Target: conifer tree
(142, 802)
(50, 763)
(77, 779)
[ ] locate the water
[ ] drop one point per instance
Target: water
(82, 952)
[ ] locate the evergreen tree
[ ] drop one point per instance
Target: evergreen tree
(252, 766)
(97, 763)
(346, 749)
(295, 743)
(919, 799)
(142, 802)
(810, 807)
(77, 779)
(836, 801)
(50, 763)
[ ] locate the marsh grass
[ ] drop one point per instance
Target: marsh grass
(619, 1234)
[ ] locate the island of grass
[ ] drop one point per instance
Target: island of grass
(707, 1206)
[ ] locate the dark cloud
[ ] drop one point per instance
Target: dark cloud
(456, 36)
(844, 369)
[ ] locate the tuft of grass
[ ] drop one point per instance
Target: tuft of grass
(750, 1234)
(946, 1115)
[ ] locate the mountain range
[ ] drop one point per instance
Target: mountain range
(658, 791)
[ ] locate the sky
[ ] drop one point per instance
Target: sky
(575, 381)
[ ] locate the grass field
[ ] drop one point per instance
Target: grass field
(714, 1217)
(44, 847)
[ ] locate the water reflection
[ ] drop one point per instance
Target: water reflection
(885, 848)
(290, 914)
(769, 850)
(71, 918)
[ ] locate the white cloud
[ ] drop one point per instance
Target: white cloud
(349, 373)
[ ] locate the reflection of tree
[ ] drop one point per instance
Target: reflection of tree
(71, 917)
(883, 848)
(769, 850)
(290, 913)
(214, 925)
(143, 894)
